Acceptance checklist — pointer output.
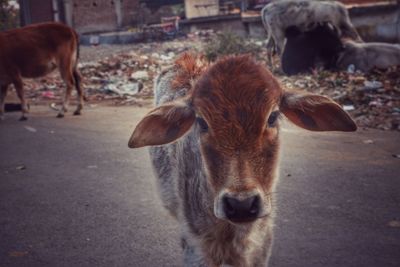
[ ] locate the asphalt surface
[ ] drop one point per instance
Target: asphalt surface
(73, 194)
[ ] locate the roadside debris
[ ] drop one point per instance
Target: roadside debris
(18, 254)
(373, 99)
(348, 107)
(92, 167)
(394, 224)
(21, 167)
(31, 129)
(368, 141)
(126, 78)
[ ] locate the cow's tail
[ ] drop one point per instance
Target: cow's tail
(264, 22)
(270, 44)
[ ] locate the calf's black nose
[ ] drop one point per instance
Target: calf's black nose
(241, 210)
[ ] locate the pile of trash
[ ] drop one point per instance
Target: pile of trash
(373, 99)
(126, 78)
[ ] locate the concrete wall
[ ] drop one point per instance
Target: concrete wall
(374, 22)
(377, 24)
(36, 11)
(97, 15)
(201, 8)
(88, 16)
(231, 23)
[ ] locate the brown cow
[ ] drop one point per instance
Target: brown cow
(35, 51)
(215, 145)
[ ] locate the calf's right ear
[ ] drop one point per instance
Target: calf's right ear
(163, 125)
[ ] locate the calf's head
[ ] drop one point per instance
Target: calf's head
(233, 113)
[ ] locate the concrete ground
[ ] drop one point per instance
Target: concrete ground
(73, 194)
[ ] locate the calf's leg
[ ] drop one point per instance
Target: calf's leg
(191, 255)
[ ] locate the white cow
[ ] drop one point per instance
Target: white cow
(305, 15)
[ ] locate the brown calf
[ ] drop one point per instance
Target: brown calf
(35, 51)
(214, 139)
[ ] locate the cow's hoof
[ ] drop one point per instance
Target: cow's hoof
(23, 118)
(59, 115)
(77, 112)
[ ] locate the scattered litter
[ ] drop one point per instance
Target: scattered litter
(348, 107)
(31, 129)
(94, 40)
(141, 75)
(369, 141)
(126, 78)
(333, 207)
(21, 167)
(54, 106)
(16, 254)
(48, 95)
(374, 85)
(372, 99)
(394, 224)
(92, 167)
(397, 156)
(351, 68)
(121, 89)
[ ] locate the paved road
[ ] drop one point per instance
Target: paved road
(73, 194)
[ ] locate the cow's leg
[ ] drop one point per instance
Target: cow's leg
(67, 75)
(262, 259)
(65, 103)
(20, 92)
(270, 46)
(279, 38)
(270, 51)
(348, 30)
(162, 163)
(3, 93)
(77, 82)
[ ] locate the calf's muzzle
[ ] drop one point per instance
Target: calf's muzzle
(241, 210)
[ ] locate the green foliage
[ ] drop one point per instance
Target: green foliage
(229, 44)
(9, 15)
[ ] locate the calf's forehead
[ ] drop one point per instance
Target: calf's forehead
(235, 95)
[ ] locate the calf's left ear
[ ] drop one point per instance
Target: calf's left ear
(163, 125)
(315, 113)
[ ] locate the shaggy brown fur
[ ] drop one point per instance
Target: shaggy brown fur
(188, 68)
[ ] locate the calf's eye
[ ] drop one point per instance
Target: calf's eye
(273, 118)
(202, 124)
